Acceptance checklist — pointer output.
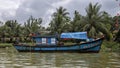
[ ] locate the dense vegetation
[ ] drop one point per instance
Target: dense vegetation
(95, 22)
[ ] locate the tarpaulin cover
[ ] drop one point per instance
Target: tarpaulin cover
(74, 35)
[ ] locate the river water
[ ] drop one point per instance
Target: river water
(10, 58)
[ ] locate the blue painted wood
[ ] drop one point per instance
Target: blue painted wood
(49, 41)
(38, 40)
(92, 46)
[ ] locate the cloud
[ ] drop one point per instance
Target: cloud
(47, 16)
(38, 9)
(8, 8)
(23, 9)
(111, 6)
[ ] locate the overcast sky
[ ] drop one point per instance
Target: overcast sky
(21, 10)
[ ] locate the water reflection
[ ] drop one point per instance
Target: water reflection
(9, 58)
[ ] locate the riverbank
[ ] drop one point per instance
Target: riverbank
(3, 45)
(110, 46)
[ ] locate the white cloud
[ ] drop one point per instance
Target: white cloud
(7, 4)
(8, 8)
(61, 3)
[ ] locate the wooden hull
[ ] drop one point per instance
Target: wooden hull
(93, 46)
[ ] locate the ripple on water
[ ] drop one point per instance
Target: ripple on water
(5, 62)
(2, 66)
(117, 66)
(29, 67)
(58, 60)
(114, 60)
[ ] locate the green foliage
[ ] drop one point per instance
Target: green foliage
(11, 29)
(118, 37)
(32, 25)
(60, 21)
(75, 24)
(95, 22)
(112, 46)
(5, 45)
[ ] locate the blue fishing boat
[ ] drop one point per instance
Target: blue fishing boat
(50, 44)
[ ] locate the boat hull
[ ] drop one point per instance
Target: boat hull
(93, 47)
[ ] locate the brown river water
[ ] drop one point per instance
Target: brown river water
(10, 58)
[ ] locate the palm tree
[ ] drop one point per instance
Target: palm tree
(59, 21)
(94, 21)
(75, 24)
(107, 20)
(32, 25)
(4, 32)
(12, 29)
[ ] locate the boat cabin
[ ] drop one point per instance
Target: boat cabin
(52, 40)
(45, 40)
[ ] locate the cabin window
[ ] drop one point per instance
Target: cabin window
(52, 40)
(43, 40)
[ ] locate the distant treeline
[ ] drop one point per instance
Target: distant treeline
(95, 23)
